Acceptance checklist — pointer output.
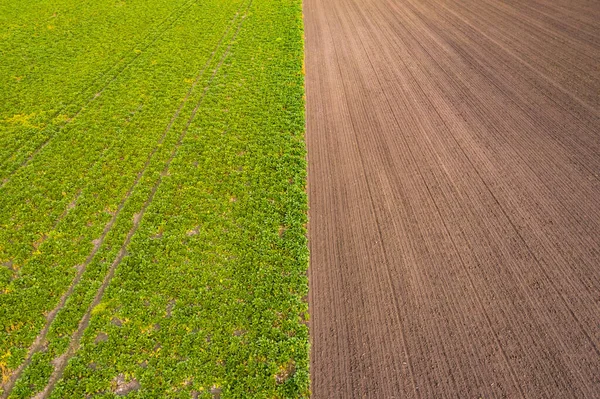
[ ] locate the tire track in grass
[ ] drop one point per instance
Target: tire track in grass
(60, 363)
(183, 9)
(105, 151)
(224, 25)
(72, 204)
(36, 244)
(91, 99)
(41, 338)
(44, 236)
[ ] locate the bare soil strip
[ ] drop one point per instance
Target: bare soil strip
(454, 188)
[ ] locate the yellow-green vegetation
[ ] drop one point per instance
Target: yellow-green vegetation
(152, 199)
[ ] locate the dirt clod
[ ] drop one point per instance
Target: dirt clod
(101, 337)
(124, 386)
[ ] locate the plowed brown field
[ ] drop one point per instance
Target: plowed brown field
(454, 188)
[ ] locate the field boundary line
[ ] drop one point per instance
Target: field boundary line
(40, 339)
(37, 150)
(60, 362)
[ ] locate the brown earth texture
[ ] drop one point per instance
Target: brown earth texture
(454, 188)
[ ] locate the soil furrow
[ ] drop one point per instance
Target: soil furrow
(453, 183)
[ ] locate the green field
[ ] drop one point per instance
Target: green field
(152, 199)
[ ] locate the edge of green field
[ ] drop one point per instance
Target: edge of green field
(168, 168)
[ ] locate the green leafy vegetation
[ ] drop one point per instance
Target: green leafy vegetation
(152, 199)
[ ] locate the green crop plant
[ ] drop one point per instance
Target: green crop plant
(152, 199)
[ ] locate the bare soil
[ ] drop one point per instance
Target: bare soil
(454, 188)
